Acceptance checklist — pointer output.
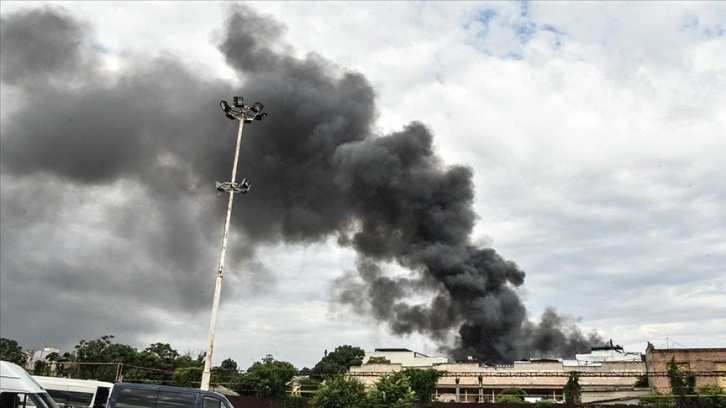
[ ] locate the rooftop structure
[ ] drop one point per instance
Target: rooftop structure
(404, 357)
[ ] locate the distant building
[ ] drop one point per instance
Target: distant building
(708, 364)
(607, 373)
(39, 355)
(609, 353)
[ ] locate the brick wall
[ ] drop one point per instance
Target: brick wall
(707, 363)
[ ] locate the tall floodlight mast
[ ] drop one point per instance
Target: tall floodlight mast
(244, 114)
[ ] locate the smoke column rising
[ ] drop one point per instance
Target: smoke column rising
(317, 169)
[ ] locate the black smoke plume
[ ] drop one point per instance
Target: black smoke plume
(149, 134)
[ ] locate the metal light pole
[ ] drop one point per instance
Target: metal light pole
(245, 114)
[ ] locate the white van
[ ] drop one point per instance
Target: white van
(19, 390)
(70, 392)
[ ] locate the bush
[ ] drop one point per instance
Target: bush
(340, 392)
(511, 395)
(391, 391)
(510, 399)
(658, 400)
(711, 396)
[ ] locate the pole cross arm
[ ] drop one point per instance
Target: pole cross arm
(229, 187)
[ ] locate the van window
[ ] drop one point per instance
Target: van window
(101, 397)
(211, 402)
(175, 400)
(133, 398)
(71, 398)
(39, 400)
(25, 400)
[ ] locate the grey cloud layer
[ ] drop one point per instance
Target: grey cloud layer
(147, 140)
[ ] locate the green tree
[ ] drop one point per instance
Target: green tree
(573, 389)
(378, 360)
(267, 379)
(188, 370)
(41, 367)
(61, 368)
(11, 351)
(190, 377)
(227, 374)
(155, 363)
(511, 395)
(95, 358)
(423, 383)
(341, 391)
(509, 399)
(683, 384)
(308, 386)
(338, 362)
(711, 396)
(391, 391)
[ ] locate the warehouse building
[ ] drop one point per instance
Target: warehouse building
(607, 373)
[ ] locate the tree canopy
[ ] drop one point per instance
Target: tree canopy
(338, 362)
(573, 389)
(391, 391)
(511, 395)
(11, 351)
(340, 392)
(268, 378)
(423, 383)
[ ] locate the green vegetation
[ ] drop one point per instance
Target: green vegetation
(391, 391)
(423, 383)
(11, 351)
(683, 384)
(684, 393)
(268, 379)
(511, 395)
(378, 360)
(712, 396)
(573, 389)
(340, 392)
(104, 359)
(338, 362)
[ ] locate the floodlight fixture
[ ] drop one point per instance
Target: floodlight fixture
(261, 116)
(237, 101)
(257, 107)
(225, 106)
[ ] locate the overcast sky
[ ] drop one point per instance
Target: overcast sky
(584, 142)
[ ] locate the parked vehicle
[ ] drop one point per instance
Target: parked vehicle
(132, 395)
(19, 390)
(73, 393)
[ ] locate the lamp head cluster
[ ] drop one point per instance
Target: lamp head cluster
(239, 111)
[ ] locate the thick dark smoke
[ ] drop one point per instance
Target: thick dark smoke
(150, 134)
